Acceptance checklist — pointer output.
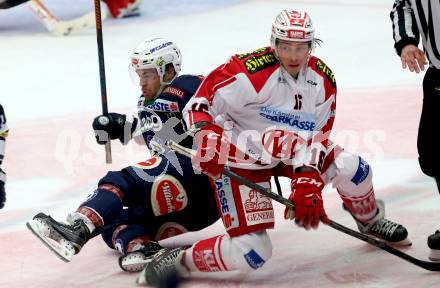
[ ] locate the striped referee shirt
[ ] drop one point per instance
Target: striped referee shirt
(3, 134)
(413, 19)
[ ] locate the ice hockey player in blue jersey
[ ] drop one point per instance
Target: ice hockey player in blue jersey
(154, 199)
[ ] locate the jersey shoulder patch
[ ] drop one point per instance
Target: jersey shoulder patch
(188, 83)
(174, 91)
(257, 60)
(321, 68)
(179, 92)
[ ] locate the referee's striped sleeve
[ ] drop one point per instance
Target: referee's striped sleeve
(405, 29)
(3, 133)
(2, 149)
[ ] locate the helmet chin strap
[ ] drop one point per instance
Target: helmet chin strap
(164, 84)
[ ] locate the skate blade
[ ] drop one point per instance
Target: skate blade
(402, 243)
(434, 255)
(63, 249)
(133, 262)
(170, 279)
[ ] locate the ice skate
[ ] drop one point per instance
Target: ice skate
(63, 239)
(384, 229)
(136, 261)
(165, 269)
(434, 245)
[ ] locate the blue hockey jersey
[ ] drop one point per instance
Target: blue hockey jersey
(161, 119)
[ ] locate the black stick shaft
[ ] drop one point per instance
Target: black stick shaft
(108, 151)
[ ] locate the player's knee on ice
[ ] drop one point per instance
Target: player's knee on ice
(252, 250)
(240, 254)
(247, 252)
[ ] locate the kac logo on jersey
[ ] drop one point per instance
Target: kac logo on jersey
(163, 106)
(280, 144)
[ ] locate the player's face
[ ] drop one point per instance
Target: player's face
(293, 55)
(149, 81)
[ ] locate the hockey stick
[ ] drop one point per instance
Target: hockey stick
(428, 265)
(108, 150)
(57, 27)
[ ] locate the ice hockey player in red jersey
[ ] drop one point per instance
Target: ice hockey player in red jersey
(271, 109)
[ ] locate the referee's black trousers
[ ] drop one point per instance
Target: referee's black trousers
(428, 143)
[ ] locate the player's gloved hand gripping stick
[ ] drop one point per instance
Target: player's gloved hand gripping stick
(428, 265)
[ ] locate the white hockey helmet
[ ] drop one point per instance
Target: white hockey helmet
(156, 53)
(292, 25)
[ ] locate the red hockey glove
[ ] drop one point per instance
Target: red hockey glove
(123, 8)
(306, 194)
(209, 143)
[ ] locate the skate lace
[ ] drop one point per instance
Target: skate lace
(385, 227)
